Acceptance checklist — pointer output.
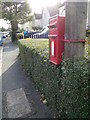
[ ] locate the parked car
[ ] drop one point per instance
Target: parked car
(28, 33)
(7, 34)
(4, 34)
(1, 34)
(1, 40)
(42, 34)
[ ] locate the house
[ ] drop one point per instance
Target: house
(62, 9)
(48, 12)
(26, 26)
(42, 20)
(62, 12)
(37, 20)
(45, 17)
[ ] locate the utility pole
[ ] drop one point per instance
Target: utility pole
(75, 29)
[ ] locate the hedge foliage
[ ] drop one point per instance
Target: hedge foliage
(65, 87)
(20, 35)
(87, 48)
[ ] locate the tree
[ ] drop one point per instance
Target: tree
(16, 12)
(75, 28)
(3, 29)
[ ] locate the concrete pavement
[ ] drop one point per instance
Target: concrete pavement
(13, 80)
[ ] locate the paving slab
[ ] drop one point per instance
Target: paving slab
(17, 104)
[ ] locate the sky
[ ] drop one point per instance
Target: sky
(4, 24)
(36, 6)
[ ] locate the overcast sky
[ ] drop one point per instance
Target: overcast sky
(36, 6)
(3, 24)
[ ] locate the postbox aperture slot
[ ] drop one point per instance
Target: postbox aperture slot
(52, 26)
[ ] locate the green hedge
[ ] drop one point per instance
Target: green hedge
(87, 48)
(20, 35)
(65, 87)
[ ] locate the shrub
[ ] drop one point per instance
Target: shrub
(36, 28)
(75, 87)
(65, 87)
(87, 48)
(20, 35)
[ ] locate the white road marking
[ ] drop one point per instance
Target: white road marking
(1, 51)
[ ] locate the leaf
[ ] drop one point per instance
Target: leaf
(63, 68)
(44, 101)
(42, 96)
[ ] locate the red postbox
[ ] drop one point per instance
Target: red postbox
(56, 36)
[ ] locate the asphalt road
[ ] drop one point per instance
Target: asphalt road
(13, 78)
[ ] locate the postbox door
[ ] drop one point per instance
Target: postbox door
(56, 34)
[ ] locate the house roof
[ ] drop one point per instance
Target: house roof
(53, 10)
(38, 16)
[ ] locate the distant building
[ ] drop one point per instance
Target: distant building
(45, 17)
(26, 26)
(42, 20)
(48, 12)
(62, 9)
(37, 20)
